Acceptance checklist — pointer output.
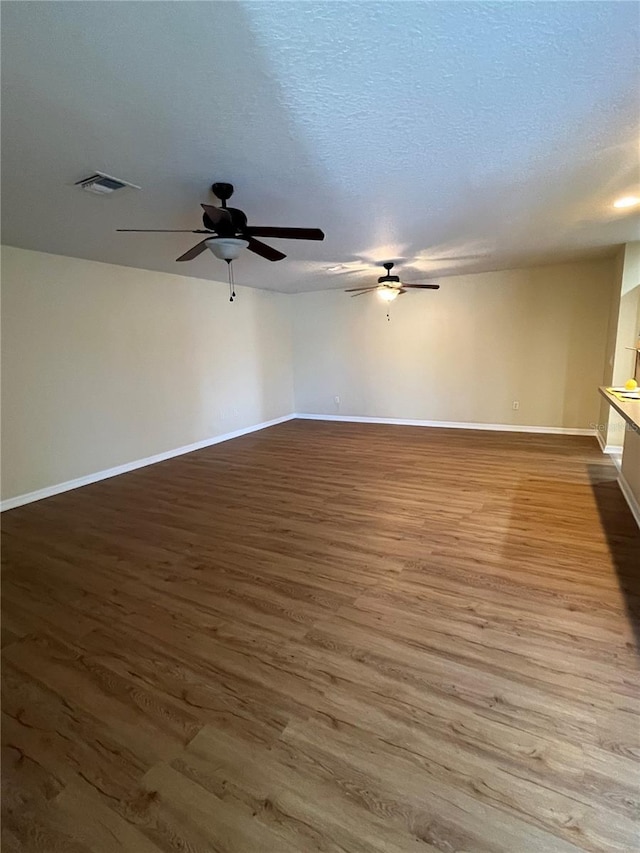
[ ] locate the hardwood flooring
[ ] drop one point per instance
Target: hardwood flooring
(327, 637)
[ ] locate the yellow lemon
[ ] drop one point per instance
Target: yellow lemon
(631, 384)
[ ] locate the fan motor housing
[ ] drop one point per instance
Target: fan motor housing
(237, 222)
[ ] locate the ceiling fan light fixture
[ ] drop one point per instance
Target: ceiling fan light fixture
(627, 201)
(388, 294)
(226, 248)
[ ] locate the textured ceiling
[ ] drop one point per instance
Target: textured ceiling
(495, 133)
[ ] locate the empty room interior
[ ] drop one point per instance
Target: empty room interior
(320, 427)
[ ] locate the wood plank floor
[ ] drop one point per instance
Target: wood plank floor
(327, 637)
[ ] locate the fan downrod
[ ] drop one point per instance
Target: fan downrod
(385, 279)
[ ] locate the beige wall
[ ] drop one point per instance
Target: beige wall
(103, 365)
(463, 353)
(611, 425)
(629, 313)
(623, 331)
(628, 334)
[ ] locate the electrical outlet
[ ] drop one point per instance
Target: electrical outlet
(336, 400)
(516, 405)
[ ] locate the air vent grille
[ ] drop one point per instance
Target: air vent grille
(102, 184)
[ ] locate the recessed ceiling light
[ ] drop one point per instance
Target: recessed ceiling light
(627, 201)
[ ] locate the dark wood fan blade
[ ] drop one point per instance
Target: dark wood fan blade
(362, 292)
(194, 251)
(167, 230)
(265, 251)
(423, 286)
(354, 289)
(216, 214)
(286, 233)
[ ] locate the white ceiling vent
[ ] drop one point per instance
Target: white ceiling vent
(102, 184)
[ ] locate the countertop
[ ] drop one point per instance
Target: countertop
(629, 409)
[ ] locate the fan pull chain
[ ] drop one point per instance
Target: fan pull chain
(232, 285)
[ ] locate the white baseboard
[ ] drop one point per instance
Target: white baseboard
(447, 424)
(630, 498)
(616, 458)
(608, 449)
(49, 491)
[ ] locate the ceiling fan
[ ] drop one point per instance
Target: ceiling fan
(229, 231)
(389, 286)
